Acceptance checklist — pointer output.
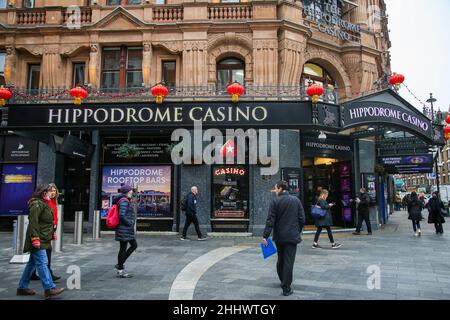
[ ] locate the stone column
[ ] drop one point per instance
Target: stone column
(147, 63)
(359, 15)
(95, 175)
(194, 63)
(94, 66)
(10, 65)
(51, 68)
(265, 53)
(291, 61)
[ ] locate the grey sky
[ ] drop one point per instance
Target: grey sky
(421, 48)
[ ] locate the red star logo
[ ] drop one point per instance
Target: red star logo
(229, 149)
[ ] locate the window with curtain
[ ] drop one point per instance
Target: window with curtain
(28, 3)
(169, 73)
(317, 74)
(78, 74)
(2, 4)
(230, 70)
(34, 72)
(122, 68)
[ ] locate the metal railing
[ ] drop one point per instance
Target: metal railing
(252, 92)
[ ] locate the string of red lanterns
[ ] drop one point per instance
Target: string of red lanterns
(235, 90)
(396, 79)
(315, 92)
(159, 92)
(5, 95)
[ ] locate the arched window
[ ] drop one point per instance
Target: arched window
(317, 74)
(230, 70)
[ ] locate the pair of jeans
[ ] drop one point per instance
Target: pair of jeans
(416, 225)
(39, 261)
(285, 264)
(319, 231)
(364, 217)
(191, 218)
(124, 253)
(49, 257)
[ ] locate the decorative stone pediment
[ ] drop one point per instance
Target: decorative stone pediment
(119, 19)
(173, 47)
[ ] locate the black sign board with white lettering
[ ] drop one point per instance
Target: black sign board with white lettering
(170, 114)
(409, 164)
(371, 113)
(19, 150)
(72, 146)
(149, 150)
(328, 147)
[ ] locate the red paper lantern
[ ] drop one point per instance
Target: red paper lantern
(5, 94)
(314, 91)
(159, 91)
(235, 90)
(78, 93)
(396, 80)
(447, 120)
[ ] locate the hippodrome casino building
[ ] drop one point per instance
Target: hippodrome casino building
(359, 132)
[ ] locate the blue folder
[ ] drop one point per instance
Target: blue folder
(268, 251)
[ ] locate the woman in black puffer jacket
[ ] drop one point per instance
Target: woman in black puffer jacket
(415, 207)
(125, 231)
(435, 217)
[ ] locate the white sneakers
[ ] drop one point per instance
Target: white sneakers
(123, 274)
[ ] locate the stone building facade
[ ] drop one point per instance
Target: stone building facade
(273, 48)
(274, 40)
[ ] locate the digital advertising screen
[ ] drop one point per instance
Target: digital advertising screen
(18, 183)
(152, 185)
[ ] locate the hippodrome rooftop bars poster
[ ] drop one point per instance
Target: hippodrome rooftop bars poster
(17, 185)
(153, 185)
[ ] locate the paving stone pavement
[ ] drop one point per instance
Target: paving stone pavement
(411, 268)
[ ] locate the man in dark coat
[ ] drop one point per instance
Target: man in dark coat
(286, 218)
(125, 231)
(435, 216)
(363, 202)
(191, 214)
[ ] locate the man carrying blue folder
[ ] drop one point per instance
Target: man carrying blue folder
(286, 218)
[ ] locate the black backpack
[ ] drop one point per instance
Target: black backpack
(184, 203)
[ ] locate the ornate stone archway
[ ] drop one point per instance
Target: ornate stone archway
(230, 45)
(334, 65)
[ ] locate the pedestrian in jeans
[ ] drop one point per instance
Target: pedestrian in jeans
(38, 239)
(324, 222)
(125, 231)
(53, 194)
(415, 207)
(363, 202)
(286, 218)
(435, 207)
(191, 214)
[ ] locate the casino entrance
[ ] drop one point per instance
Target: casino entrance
(334, 175)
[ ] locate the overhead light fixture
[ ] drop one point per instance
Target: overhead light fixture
(389, 132)
(322, 135)
(371, 129)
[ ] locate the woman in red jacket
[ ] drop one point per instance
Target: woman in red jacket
(53, 193)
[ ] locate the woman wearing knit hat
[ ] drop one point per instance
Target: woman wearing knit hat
(125, 231)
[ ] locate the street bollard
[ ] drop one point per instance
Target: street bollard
(96, 225)
(78, 229)
(58, 243)
(14, 244)
(21, 232)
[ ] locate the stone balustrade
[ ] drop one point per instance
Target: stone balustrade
(167, 14)
(31, 17)
(230, 12)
